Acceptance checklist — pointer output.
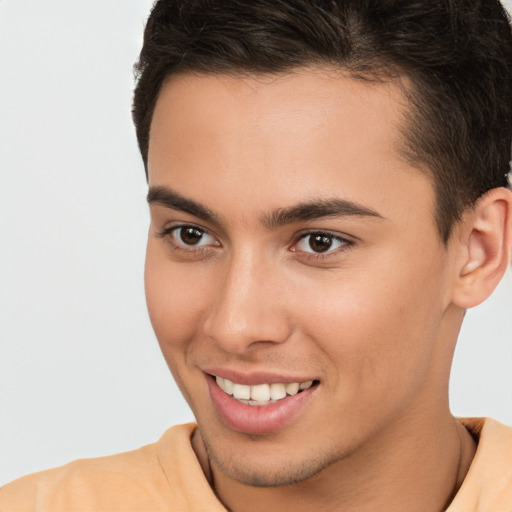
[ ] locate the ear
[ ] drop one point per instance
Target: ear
(484, 248)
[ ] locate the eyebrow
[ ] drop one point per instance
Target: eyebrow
(317, 209)
(170, 199)
(306, 211)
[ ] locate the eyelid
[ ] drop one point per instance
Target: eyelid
(168, 232)
(345, 243)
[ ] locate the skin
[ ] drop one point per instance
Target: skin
(373, 319)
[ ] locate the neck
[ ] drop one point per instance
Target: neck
(411, 466)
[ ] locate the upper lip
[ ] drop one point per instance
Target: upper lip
(255, 378)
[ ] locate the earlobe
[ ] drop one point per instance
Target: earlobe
(485, 245)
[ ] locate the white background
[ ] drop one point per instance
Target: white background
(80, 371)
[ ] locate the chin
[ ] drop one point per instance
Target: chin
(264, 470)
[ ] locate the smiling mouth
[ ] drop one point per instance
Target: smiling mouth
(262, 394)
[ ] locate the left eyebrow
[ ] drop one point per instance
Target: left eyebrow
(317, 209)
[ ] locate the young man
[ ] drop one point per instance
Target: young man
(328, 186)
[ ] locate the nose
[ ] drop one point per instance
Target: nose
(250, 308)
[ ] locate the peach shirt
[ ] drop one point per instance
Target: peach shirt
(166, 476)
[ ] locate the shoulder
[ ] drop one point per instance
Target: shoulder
(488, 484)
(133, 480)
(494, 440)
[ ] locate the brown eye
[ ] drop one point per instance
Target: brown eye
(190, 235)
(320, 243)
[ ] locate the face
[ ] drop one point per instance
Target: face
(295, 278)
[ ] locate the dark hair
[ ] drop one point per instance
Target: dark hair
(455, 54)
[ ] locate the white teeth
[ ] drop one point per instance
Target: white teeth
(228, 386)
(261, 394)
(305, 385)
(277, 391)
(241, 391)
(292, 388)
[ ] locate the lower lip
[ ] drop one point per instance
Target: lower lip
(256, 419)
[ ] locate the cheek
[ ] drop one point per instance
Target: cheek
(378, 330)
(175, 298)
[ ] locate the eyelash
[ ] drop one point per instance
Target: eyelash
(345, 243)
(167, 233)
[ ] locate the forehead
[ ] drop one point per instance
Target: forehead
(281, 139)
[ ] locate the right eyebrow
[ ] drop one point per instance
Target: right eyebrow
(166, 197)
